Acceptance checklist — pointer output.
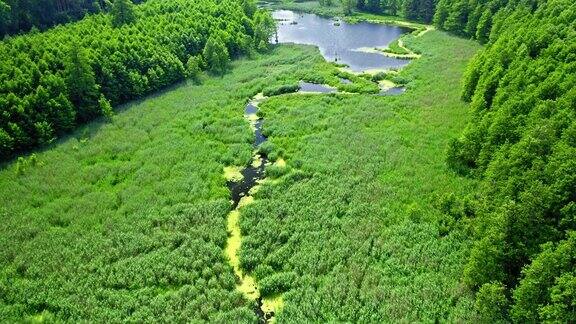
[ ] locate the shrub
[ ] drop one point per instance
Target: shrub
(491, 303)
(277, 283)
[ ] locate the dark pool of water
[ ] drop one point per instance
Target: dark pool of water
(393, 91)
(338, 43)
(313, 87)
(250, 109)
(250, 174)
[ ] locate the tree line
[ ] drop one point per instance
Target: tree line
(521, 143)
(421, 10)
(52, 81)
(475, 18)
(23, 15)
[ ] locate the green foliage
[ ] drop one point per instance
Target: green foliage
(421, 10)
(547, 289)
(122, 13)
(194, 67)
(491, 303)
(26, 15)
(216, 55)
(521, 145)
(475, 18)
(105, 107)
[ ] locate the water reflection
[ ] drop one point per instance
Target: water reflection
(340, 42)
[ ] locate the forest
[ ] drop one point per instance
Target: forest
(522, 144)
(454, 201)
(24, 15)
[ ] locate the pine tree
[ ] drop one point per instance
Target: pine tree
(347, 6)
(373, 5)
(82, 87)
(105, 107)
(4, 17)
(122, 13)
(456, 20)
(426, 10)
(410, 9)
(484, 25)
(216, 55)
(194, 68)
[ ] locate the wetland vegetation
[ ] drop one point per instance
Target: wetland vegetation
(164, 163)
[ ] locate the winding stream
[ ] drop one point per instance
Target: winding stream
(343, 45)
(242, 183)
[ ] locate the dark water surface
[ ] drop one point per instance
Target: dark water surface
(313, 87)
(339, 42)
(393, 91)
(251, 174)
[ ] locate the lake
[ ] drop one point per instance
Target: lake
(340, 41)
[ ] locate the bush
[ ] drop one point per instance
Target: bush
(491, 303)
(194, 67)
(277, 283)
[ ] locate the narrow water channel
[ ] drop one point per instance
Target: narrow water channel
(242, 182)
(254, 172)
(240, 187)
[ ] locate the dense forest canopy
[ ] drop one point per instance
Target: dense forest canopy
(50, 82)
(522, 144)
(421, 10)
(22, 15)
(475, 18)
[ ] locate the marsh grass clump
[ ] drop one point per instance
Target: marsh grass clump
(395, 48)
(282, 89)
(277, 283)
(275, 171)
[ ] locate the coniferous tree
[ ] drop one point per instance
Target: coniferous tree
(105, 107)
(347, 6)
(393, 6)
(82, 87)
(216, 55)
(484, 25)
(122, 12)
(373, 5)
(194, 68)
(4, 17)
(457, 17)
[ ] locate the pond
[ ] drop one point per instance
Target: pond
(340, 41)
